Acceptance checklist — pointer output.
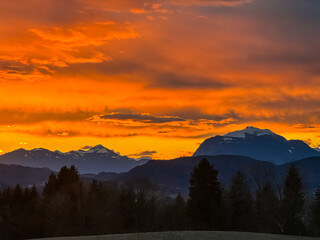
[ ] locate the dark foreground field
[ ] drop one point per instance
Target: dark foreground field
(189, 236)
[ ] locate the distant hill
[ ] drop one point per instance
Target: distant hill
(174, 175)
(10, 175)
(261, 144)
(95, 160)
(309, 169)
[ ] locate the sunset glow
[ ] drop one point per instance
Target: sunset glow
(156, 76)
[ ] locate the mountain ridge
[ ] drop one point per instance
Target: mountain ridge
(261, 144)
(173, 175)
(94, 160)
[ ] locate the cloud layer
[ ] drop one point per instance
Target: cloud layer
(141, 73)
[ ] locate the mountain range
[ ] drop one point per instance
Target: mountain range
(96, 159)
(174, 175)
(261, 144)
(259, 153)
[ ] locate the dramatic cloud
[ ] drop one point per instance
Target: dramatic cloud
(211, 2)
(59, 47)
(31, 116)
(161, 75)
(136, 117)
(86, 147)
(143, 154)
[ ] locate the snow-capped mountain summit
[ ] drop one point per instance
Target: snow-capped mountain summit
(256, 143)
(96, 159)
(99, 149)
(249, 131)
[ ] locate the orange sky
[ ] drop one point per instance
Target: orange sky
(157, 76)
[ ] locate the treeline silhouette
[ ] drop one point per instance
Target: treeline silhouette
(68, 207)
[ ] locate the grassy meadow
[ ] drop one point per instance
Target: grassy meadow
(189, 235)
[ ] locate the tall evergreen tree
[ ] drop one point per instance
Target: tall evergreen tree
(100, 209)
(179, 213)
(242, 205)
(267, 206)
(293, 203)
(51, 186)
(204, 197)
(19, 217)
(64, 210)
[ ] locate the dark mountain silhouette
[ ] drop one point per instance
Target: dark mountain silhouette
(95, 160)
(174, 175)
(309, 170)
(261, 144)
(10, 175)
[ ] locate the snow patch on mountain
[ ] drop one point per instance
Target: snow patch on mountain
(99, 149)
(250, 131)
(261, 144)
(38, 149)
(94, 160)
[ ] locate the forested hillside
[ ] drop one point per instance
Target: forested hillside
(69, 207)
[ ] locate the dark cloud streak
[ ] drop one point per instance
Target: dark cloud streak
(24, 116)
(146, 118)
(143, 154)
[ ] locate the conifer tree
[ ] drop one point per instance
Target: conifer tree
(179, 213)
(204, 197)
(293, 203)
(64, 210)
(267, 206)
(241, 201)
(51, 186)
